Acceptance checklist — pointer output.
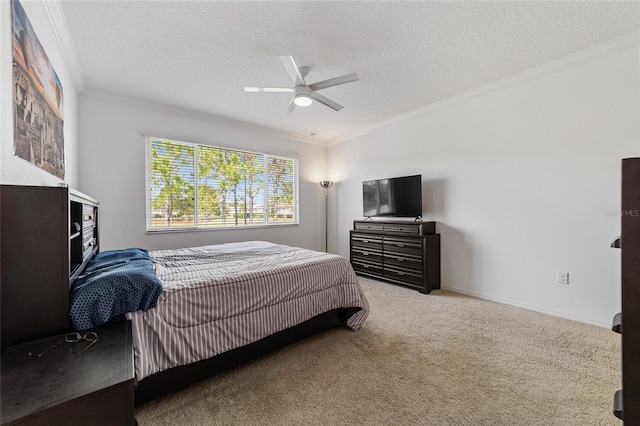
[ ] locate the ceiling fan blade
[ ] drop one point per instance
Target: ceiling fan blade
(292, 69)
(291, 106)
(326, 101)
(334, 81)
(269, 89)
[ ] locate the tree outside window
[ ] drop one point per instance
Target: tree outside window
(201, 186)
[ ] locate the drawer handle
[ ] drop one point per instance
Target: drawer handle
(400, 259)
(365, 241)
(400, 273)
(364, 253)
(87, 217)
(400, 245)
(365, 266)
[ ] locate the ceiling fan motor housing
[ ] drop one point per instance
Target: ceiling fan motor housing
(302, 91)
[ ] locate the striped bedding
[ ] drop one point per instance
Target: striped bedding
(221, 297)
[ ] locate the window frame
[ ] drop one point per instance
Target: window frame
(198, 228)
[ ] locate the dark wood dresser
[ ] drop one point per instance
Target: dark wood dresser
(400, 252)
(95, 387)
(48, 235)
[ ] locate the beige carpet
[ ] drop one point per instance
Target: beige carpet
(439, 359)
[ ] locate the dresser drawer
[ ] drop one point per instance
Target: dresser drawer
(88, 216)
(88, 222)
(86, 250)
(87, 234)
(403, 261)
(403, 228)
(405, 276)
(366, 256)
(368, 226)
(88, 209)
(367, 268)
(408, 246)
(396, 227)
(366, 242)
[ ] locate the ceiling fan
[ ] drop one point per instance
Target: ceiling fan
(304, 94)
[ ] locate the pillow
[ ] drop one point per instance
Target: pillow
(109, 293)
(110, 258)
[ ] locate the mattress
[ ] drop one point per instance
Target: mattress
(220, 297)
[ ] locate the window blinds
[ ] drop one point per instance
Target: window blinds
(201, 186)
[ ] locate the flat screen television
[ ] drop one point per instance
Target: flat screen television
(393, 197)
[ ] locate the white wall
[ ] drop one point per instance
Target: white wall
(112, 170)
(520, 179)
(14, 170)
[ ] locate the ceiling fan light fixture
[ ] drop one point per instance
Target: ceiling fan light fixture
(302, 100)
(305, 94)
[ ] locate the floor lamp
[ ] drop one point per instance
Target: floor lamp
(326, 184)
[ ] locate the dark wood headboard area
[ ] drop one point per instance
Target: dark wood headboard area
(48, 234)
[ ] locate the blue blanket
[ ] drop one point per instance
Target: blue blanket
(113, 284)
(107, 259)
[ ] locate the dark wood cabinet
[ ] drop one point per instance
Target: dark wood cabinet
(406, 253)
(48, 234)
(95, 387)
(627, 401)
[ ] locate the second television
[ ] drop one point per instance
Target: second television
(393, 197)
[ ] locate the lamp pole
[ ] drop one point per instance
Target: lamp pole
(326, 184)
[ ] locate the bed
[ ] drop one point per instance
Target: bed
(201, 310)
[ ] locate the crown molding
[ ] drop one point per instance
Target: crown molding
(58, 23)
(55, 15)
(628, 41)
(113, 97)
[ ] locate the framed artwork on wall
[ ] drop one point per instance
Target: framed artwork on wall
(38, 100)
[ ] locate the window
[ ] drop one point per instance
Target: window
(192, 186)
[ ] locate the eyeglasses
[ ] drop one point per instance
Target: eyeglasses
(90, 337)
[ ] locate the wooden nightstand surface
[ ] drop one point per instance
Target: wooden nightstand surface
(95, 387)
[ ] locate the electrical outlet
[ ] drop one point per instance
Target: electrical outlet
(563, 278)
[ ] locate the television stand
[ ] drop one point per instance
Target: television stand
(399, 252)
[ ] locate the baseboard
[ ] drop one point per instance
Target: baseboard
(526, 306)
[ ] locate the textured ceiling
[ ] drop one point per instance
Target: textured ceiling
(200, 54)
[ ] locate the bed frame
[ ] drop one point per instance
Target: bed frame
(41, 223)
(183, 376)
